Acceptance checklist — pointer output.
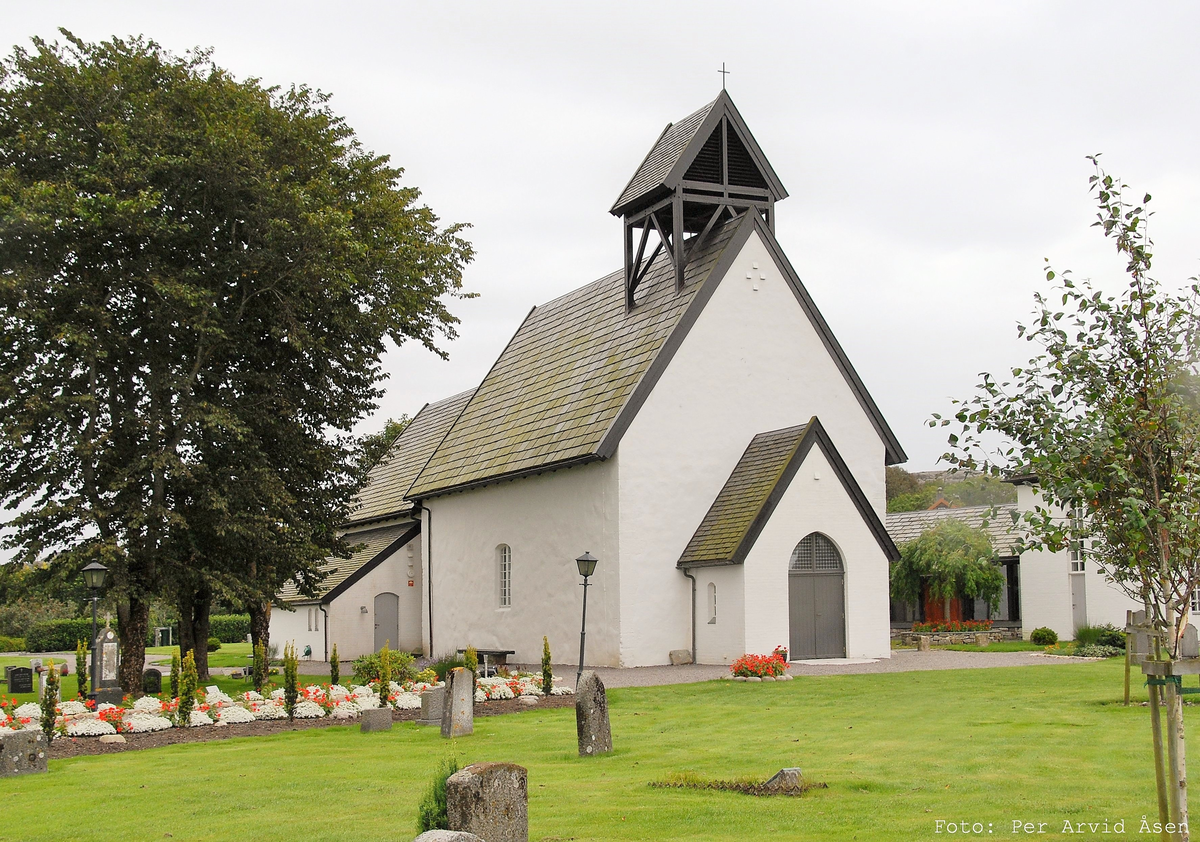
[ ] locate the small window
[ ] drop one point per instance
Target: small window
(1196, 602)
(316, 619)
(816, 554)
(712, 603)
(310, 619)
(504, 563)
(1077, 545)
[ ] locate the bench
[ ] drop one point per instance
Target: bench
(498, 658)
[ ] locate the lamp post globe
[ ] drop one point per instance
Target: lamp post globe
(587, 566)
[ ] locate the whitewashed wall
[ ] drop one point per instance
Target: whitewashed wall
(353, 631)
(724, 641)
(547, 520)
(816, 502)
(751, 363)
(293, 627)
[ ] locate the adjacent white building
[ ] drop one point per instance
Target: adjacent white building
(690, 420)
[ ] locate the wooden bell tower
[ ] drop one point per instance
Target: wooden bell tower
(702, 169)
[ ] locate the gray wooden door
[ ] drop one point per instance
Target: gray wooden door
(387, 621)
(816, 600)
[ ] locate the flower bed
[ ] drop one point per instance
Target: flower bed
(953, 626)
(759, 666)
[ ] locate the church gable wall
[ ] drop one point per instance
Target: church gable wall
(546, 520)
(751, 362)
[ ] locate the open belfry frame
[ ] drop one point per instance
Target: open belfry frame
(701, 169)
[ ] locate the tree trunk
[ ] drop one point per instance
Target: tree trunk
(134, 625)
(1177, 760)
(195, 607)
(260, 622)
(1160, 777)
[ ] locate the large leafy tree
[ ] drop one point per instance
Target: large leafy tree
(1105, 417)
(950, 561)
(198, 276)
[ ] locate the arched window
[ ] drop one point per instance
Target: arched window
(816, 554)
(712, 603)
(504, 569)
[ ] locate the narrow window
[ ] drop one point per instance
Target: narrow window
(310, 619)
(504, 560)
(712, 603)
(316, 619)
(1077, 548)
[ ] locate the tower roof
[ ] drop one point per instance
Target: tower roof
(690, 149)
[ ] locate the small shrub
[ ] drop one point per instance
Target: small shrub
(471, 665)
(12, 644)
(81, 668)
(188, 682)
(404, 667)
(229, 628)
(431, 813)
(1043, 637)
(444, 664)
(385, 674)
(1110, 635)
(260, 667)
(50, 701)
(1087, 635)
(427, 676)
(213, 644)
(366, 669)
(335, 668)
(1097, 650)
(759, 665)
(547, 670)
(291, 691)
(176, 667)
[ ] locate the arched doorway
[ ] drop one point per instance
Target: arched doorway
(816, 600)
(387, 621)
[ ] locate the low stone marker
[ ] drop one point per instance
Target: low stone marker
(432, 702)
(22, 753)
(982, 639)
(786, 780)
(591, 715)
(152, 682)
(375, 719)
(116, 739)
(448, 836)
(20, 680)
(490, 800)
(458, 709)
(1189, 645)
(923, 643)
(680, 656)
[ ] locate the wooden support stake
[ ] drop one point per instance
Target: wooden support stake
(1128, 623)
(1176, 755)
(1160, 781)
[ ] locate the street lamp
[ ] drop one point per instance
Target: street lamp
(93, 576)
(587, 566)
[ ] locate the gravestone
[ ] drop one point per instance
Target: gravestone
(680, 656)
(35, 664)
(1189, 645)
(458, 709)
(432, 702)
(982, 639)
(22, 753)
(922, 643)
(106, 664)
(448, 836)
(152, 682)
(20, 680)
(1139, 642)
(785, 780)
(591, 716)
(375, 719)
(490, 800)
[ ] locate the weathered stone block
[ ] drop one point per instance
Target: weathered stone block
(786, 780)
(375, 719)
(432, 702)
(117, 738)
(490, 800)
(448, 836)
(923, 643)
(22, 753)
(458, 711)
(982, 639)
(680, 656)
(591, 715)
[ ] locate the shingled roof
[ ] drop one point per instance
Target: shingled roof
(908, 526)
(749, 497)
(388, 482)
(558, 388)
(374, 545)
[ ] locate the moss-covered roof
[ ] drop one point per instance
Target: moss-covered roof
(572, 366)
(372, 545)
(389, 481)
(1001, 528)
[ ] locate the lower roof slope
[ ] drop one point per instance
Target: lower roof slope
(371, 547)
(1000, 528)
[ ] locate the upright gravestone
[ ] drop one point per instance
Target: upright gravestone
(20, 680)
(106, 663)
(152, 682)
(22, 752)
(591, 715)
(1139, 645)
(1189, 645)
(433, 701)
(458, 709)
(490, 800)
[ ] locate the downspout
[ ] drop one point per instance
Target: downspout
(428, 530)
(321, 608)
(693, 578)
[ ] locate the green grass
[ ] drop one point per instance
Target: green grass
(995, 646)
(229, 655)
(898, 751)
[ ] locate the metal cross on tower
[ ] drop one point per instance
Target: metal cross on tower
(723, 73)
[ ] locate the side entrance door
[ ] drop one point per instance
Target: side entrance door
(387, 621)
(816, 600)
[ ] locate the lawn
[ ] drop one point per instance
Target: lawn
(899, 751)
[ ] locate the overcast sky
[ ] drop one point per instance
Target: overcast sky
(934, 152)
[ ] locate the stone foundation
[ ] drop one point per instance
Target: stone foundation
(909, 638)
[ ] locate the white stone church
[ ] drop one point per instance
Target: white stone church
(689, 419)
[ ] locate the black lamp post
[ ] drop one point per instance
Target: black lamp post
(587, 566)
(93, 576)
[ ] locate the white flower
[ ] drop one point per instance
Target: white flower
(105, 706)
(215, 697)
(480, 694)
(277, 693)
(148, 704)
(72, 708)
(270, 711)
(337, 693)
(407, 701)
(308, 710)
(89, 728)
(346, 710)
(561, 691)
(235, 715)
(252, 696)
(142, 723)
(28, 709)
(199, 718)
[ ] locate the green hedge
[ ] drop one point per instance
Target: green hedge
(58, 635)
(229, 628)
(12, 644)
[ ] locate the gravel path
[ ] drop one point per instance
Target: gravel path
(902, 660)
